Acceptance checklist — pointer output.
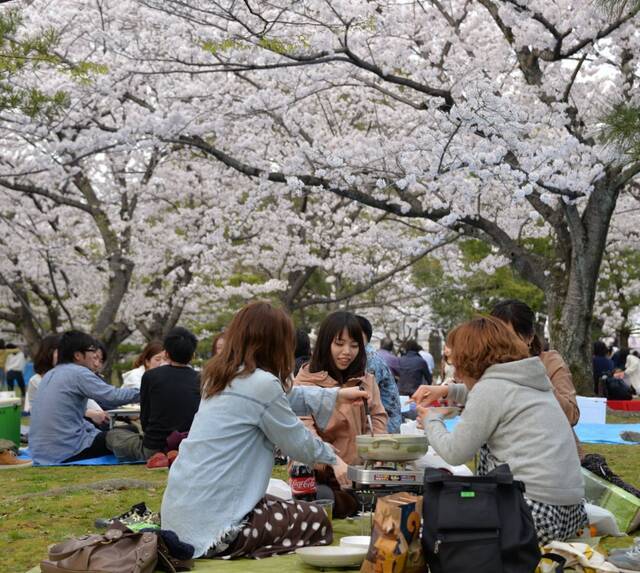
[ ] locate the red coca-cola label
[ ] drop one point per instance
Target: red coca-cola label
(302, 485)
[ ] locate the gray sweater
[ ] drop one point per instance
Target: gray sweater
(513, 410)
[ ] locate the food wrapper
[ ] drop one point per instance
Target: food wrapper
(395, 537)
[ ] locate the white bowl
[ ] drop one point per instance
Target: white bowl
(332, 556)
(359, 541)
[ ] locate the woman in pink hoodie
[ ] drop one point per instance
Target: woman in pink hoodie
(339, 360)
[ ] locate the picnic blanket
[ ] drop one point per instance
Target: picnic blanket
(590, 433)
(624, 405)
(101, 461)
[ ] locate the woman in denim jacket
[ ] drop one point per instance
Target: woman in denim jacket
(215, 498)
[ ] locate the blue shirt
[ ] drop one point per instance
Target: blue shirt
(58, 429)
(389, 394)
(225, 463)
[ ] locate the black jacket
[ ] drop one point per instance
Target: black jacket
(413, 372)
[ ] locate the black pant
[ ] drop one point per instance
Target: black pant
(14, 376)
(96, 450)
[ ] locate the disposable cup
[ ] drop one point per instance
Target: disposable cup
(327, 506)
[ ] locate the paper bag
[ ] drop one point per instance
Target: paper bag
(395, 537)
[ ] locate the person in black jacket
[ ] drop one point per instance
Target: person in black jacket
(414, 371)
(169, 400)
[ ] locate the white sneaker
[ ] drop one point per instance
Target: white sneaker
(627, 562)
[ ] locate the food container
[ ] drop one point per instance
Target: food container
(391, 447)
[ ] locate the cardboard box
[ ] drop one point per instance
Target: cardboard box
(592, 410)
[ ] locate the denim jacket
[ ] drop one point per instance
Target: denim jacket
(224, 465)
(388, 388)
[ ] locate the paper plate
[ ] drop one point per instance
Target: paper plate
(357, 541)
(332, 556)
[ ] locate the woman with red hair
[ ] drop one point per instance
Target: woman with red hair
(510, 407)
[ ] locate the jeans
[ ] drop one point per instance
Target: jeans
(14, 376)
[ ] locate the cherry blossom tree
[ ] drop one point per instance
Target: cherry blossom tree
(342, 130)
(115, 227)
(483, 117)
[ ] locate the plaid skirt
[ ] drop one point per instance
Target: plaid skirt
(552, 522)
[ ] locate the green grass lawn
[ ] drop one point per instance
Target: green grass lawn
(41, 506)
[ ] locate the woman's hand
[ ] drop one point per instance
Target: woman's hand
(340, 471)
(426, 394)
(353, 395)
(444, 412)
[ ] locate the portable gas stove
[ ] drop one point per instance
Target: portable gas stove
(387, 478)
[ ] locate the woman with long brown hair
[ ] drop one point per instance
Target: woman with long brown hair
(215, 498)
(339, 360)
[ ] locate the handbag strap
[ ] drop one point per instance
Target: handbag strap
(559, 559)
(75, 545)
(501, 475)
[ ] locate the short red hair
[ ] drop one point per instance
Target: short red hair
(483, 342)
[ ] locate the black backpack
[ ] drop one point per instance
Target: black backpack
(616, 388)
(477, 524)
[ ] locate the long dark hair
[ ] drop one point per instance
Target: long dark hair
(259, 336)
(330, 329)
(522, 319)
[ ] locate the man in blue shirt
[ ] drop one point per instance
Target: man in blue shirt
(387, 383)
(59, 432)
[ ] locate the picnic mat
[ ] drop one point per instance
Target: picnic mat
(624, 405)
(590, 433)
(605, 433)
(279, 564)
(101, 461)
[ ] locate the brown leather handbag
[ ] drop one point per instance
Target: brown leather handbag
(114, 552)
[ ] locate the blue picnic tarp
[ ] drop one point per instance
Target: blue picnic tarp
(101, 461)
(590, 433)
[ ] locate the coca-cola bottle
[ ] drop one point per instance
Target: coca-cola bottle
(302, 481)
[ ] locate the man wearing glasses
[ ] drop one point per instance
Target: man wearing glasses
(59, 432)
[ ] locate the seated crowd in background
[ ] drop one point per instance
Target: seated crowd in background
(616, 375)
(68, 399)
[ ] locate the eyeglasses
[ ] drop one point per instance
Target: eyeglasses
(90, 349)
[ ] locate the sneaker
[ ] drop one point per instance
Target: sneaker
(158, 461)
(9, 460)
(137, 513)
(171, 456)
(627, 562)
(138, 517)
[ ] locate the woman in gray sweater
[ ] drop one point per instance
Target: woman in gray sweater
(510, 407)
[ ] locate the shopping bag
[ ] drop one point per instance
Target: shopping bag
(580, 557)
(395, 545)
